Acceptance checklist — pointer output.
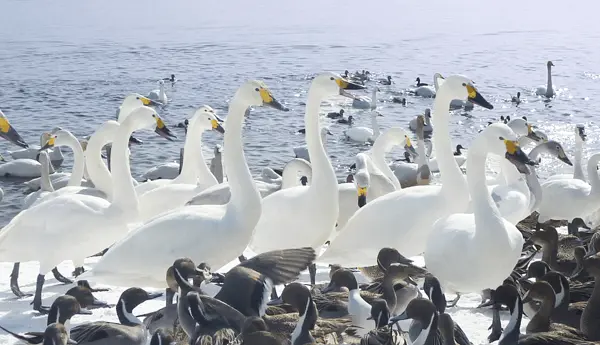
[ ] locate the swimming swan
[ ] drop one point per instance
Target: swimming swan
(428, 128)
(56, 156)
(215, 234)
(578, 174)
(308, 214)
(90, 222)
(160, 94)
(547, 90)
(365, 102)
(364, 134)
(23, 168)
(404, 218)
(168, 197)
(470, 252)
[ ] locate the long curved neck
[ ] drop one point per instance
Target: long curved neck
(194, 166)
(78, 161)
(97, 170)
(422, 159)
(383, 144)
(162, 91)
(124, 196)
(533, 182)
(483, 205)
(45, 183)
(578, 169)
(323, 174)
(549, 86)
(452, 177)
(375, 125)
(593, 173)
(244, 193)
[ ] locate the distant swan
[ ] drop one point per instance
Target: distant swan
(159, 95)
(547, 90)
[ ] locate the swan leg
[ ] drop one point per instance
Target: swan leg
(169, 295)
(14, 282)
(454, 301)
(60, 277)
(78, 271)
(312, 269)
(37, 299)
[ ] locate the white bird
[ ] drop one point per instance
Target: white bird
(91, 223)
(308, 214)
(578, 174)
(364, 102)
(165, 171)
(470, 252)
(22, 168)
(56, 155)
(215, 234)
(363, 134)
(455, 104)
(159, 95)
(302, 151)
(428, 128)
(165, 198)
(404, 218)
(547, 90)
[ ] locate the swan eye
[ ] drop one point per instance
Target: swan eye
(332, 78)
(137, 98)
(256, 90)
(501, 138)
(464, 84)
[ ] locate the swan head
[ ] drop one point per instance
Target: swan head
(550, 64)
(555, 149)
(161, 82)
(256, 93)
(147, 118)
(462, 88)
(362, 178)
(131, 102)
(59, 138)
(208, 120)
(501, 140)
(580, 132)
(331, 84)
(9, 133)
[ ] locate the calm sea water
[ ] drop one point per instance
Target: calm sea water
(70, 63)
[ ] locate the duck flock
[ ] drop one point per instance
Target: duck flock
(475, 233)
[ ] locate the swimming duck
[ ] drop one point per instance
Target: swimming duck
(419, 82)
(129, 330)
(335, 115)
(159, 95)
(400, 100)
(547, 90)
(348, 120)
(62, 310)
(172, 79)
(8, 132)
(424, 326)
(387, 81)
(516, 99)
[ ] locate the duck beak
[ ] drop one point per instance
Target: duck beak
(84, 311)
(329, 288)
(527, 298)
(563, 157)
(270, 101)
(217, 126)
(9, 133)
(163, 130)
(362, 196)
(154, 295)
(71, 342)
(134, 140)
(516, 156)
(400, 317)
(476, 98)
(347, 85)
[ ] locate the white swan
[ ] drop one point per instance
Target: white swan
(459, 157)
(407, 172)
(215, 234)
(426, 91)
(46, 184)
(91, 223)
(22, 168)
(404, 218)
(428, 128)
(56, 156)
(547, 90)
(193, 167)
(365, 102)
(221, 193)
(302, 151)
(470, 252)
(389, 139)
(160, 94)
(566, 199)
(195, 175)
(578, 174)
(216, 164)
(308, 214)
(60, 138)
(455, 104)
(165, 171)
(364, 134)
(8, 132)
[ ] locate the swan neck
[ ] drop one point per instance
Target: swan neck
(384, 144)
(442, 143)
(78, 162)
(323, 174)
(577, 168)
(533, 182)
(45, 182)
(593, 173)
(480, 196)
(124, 196)
(97, 170)
(374, 125)
(244, 194)
(549, 89)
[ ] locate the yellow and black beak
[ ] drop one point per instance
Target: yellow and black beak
(347, 85)
(217, 126)
(49, 143)
(563, 157)
(531, 134)
(408, 147)
(163, 130)
(516, 156)
(476, 98)
(270, 101)
(362, 196)
(9, 133)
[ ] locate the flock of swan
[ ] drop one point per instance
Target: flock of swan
(154, 233)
